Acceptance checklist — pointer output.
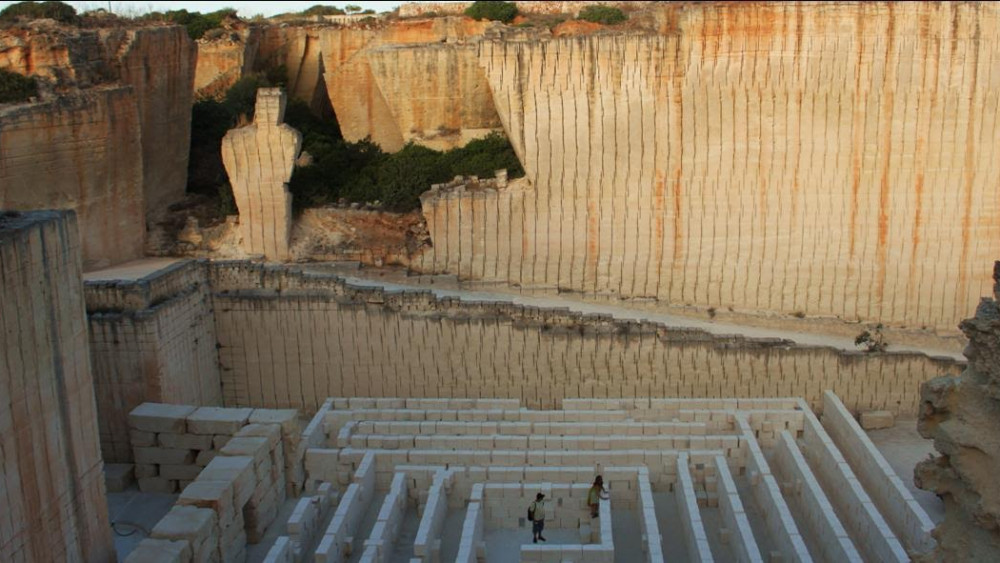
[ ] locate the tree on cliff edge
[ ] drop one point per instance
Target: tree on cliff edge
(58, 11)
(496, 11)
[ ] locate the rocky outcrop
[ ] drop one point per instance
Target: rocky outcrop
(962, 415)
(819, 160)
(259, 159)
(80, 152)
(225, 59)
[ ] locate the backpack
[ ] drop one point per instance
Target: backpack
(531, 512)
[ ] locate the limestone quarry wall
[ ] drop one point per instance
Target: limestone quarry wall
(437, 94)
(52, 486)
(831, 159)
(151, 340)
(157, 62)
(80, 152)
(221, 62)
(338, 65)
(291, 340)
(962, 415)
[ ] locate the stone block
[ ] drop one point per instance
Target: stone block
(186, 472)
(252, 446)
(281, 551)
(146, 470)
(287, 419)
(186, 523)
(141, 438)
(159, 417)
(238, 469)
(152, 550)
(205, 457)
(875, 420)
(219, 441)
(118, 476)
(217, 420)
(216, 495)
(270, 431)
(161, 456)
(184, 441)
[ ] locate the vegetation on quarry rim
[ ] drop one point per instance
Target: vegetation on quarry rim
(340, 170)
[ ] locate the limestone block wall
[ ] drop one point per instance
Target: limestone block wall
(290, 340)
(961, 415)
(151, 340)
(52, 483)
(79, 152)
(833, 159)
(259, 159)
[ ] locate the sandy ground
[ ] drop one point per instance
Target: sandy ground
(903, 447)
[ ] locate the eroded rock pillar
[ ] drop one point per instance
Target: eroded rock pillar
(259, 159)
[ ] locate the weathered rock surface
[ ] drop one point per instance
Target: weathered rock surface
(159, 64)
(52, 498)
(110, 138)
(962, 415)
(824, 160)
(259, 159)
(336, 66)
(224, 60)
(80, 152)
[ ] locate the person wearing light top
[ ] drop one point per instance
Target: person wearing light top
(537, 511)
(594, 496)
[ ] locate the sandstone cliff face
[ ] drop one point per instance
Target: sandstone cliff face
(962, 415)
(158, 62)
(437, 94)
(338, 65)
(833, 160)
(223, 61)
(80, 152)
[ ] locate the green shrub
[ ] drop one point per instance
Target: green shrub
(602, 14)
(321, 10)
(496, 11)
(15, 88)
(58, 11)
(196, 23)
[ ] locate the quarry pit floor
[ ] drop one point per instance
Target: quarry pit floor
(133, 514)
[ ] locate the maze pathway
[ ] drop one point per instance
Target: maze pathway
(687, 480)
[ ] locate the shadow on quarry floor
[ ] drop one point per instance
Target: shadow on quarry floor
(133, 514)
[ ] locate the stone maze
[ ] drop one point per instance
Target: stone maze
(393, 479)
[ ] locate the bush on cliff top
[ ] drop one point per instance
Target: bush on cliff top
(58, 11)
(196, 23)
(15, 88)
(602, 14)
(496, 11)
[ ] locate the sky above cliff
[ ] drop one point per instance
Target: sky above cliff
(244, 8)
